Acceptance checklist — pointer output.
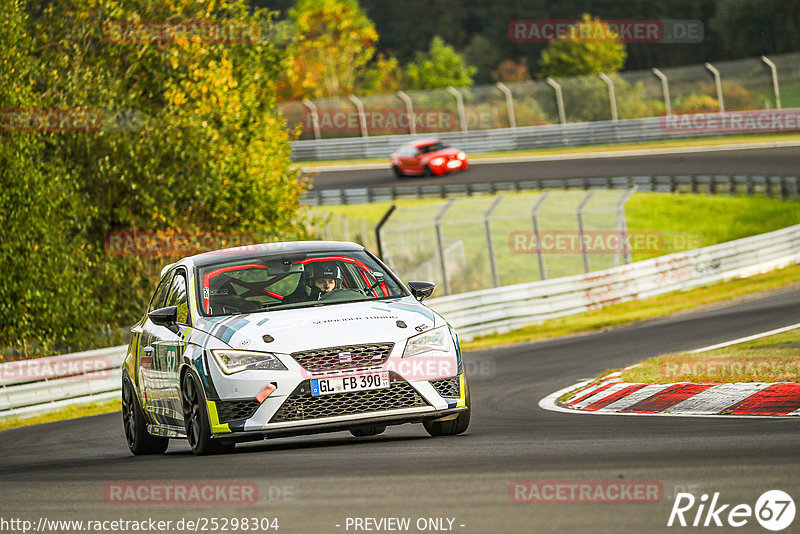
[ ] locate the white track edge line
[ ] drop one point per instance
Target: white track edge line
(745, 339)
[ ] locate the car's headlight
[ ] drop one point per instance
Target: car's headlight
(437, 339)
(437, 161)
(461, 156)
(233, 361)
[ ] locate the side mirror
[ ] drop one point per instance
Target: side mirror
(164, 316)
(421, 290)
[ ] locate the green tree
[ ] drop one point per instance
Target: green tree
(484, 55)
(440, 67)
(334, 42)
(206, 152)
(42, 256)
(754, 27)
(590, 47)
(383, 75)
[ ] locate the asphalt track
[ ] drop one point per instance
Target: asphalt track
(763, 161)
(60, 470)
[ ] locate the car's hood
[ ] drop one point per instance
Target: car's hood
(446, 152)
(324, 326)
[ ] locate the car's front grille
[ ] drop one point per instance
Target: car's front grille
(344, 357)
(236, 409)
(302, 406)
(448, 387)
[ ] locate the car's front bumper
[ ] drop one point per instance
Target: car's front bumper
(301, 413)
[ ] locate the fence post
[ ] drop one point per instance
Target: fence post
(775, 87)
(314, 117)
(612, 99)
(362, 117)
(512, 118)
(581, 230)
(664, 89)
(718, 83)
(412, 124)
(490, 241)
(462, 115)
(562, 117)
(622, 226)
(379, 226)
(440, 244)
(538, 234)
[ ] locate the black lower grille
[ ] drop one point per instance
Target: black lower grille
(449, 387)
(236, 409)
(301, 405)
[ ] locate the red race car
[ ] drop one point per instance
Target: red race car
(427, 157)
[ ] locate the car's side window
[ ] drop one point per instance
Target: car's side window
(177, 297)
(158, 297)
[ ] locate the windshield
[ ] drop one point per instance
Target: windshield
(432, 148)
(302, 280)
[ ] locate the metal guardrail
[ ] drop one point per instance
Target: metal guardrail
(507, 308)
(509, 139)
(31, 387)
(776, 186)
(42, 385)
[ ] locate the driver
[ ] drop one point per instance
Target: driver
(324, 279)
(320, 279)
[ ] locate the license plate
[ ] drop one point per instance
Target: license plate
(346, 384)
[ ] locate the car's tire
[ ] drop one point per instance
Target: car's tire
(367, 431)
(195, 417)
(428, 170)
(397, 172)
(139, 440)
(453, 426)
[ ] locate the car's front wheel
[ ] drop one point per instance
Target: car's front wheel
(451, 427)
(139, 440)
(195, 417)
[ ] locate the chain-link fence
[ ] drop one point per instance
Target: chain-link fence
(469, 243)
(748, 84)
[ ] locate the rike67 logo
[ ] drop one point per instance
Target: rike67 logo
(774, 510)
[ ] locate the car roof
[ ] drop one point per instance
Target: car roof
(423, 142)
(268, 249)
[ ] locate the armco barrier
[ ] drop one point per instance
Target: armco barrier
(774, 186)
(506, 308)
(505, 139)
(32, 387)
(37, 386)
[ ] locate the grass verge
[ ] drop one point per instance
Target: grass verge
(700, 142)
(639, 310)
(72, 412)
(773, 358)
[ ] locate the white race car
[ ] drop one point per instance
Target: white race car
(288, 339)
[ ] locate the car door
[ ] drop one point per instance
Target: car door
(408, 157)
(166, 347)
(143, 331)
